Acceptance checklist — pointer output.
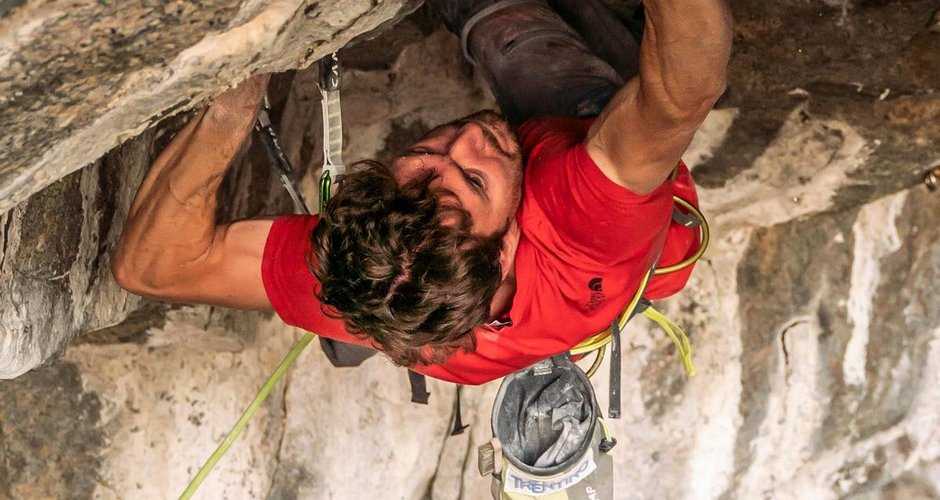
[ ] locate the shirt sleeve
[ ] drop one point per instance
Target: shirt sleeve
(287, 274)
(590, 217)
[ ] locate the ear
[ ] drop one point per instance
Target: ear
(507, 254)
(507, 257)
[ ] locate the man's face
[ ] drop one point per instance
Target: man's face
(476, 165)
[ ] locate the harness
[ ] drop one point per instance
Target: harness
(277, 158)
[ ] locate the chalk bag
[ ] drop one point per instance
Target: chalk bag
(549, 442)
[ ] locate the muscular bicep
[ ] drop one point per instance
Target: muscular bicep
(227, 274)
(231, 276)
(636, 144)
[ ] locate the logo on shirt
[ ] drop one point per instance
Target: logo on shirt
(596, 285)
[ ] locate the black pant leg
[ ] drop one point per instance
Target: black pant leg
(604, 33)
(534, 62)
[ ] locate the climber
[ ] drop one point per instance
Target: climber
(445, 259)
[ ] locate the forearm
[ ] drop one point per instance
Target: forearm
(171, 224)
(684, 55)
(641, 135)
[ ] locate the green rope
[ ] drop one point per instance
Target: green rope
(246, 416)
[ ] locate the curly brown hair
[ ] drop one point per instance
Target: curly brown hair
(395, 273)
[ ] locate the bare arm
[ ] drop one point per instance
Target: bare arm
(642, 133)
(171, 247)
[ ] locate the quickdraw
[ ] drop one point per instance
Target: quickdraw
(333, 168)
(277, 158)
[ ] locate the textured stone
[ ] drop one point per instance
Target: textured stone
(354, 432)
(165, 403)
(35, 447)
(77, 79)
(849, 61)
(54, 261)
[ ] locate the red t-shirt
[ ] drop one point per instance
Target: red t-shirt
(585, 244)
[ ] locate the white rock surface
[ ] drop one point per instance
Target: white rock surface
(166, 404)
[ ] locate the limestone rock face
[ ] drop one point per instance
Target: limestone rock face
(814, 315)
(77, 79)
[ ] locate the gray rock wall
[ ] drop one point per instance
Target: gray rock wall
(814, 315)
(76, 80)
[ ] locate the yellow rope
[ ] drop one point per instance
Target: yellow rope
(597, 361)
(704, 237)
(246, 416)
(678, 336)
(596, 341)
(601, 339)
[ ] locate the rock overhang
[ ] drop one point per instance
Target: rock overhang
(76, 80)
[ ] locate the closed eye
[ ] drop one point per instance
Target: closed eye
(475, 179)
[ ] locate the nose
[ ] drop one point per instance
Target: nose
(469, 138)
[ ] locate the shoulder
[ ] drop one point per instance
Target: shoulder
(555, 131)
(285, 268)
